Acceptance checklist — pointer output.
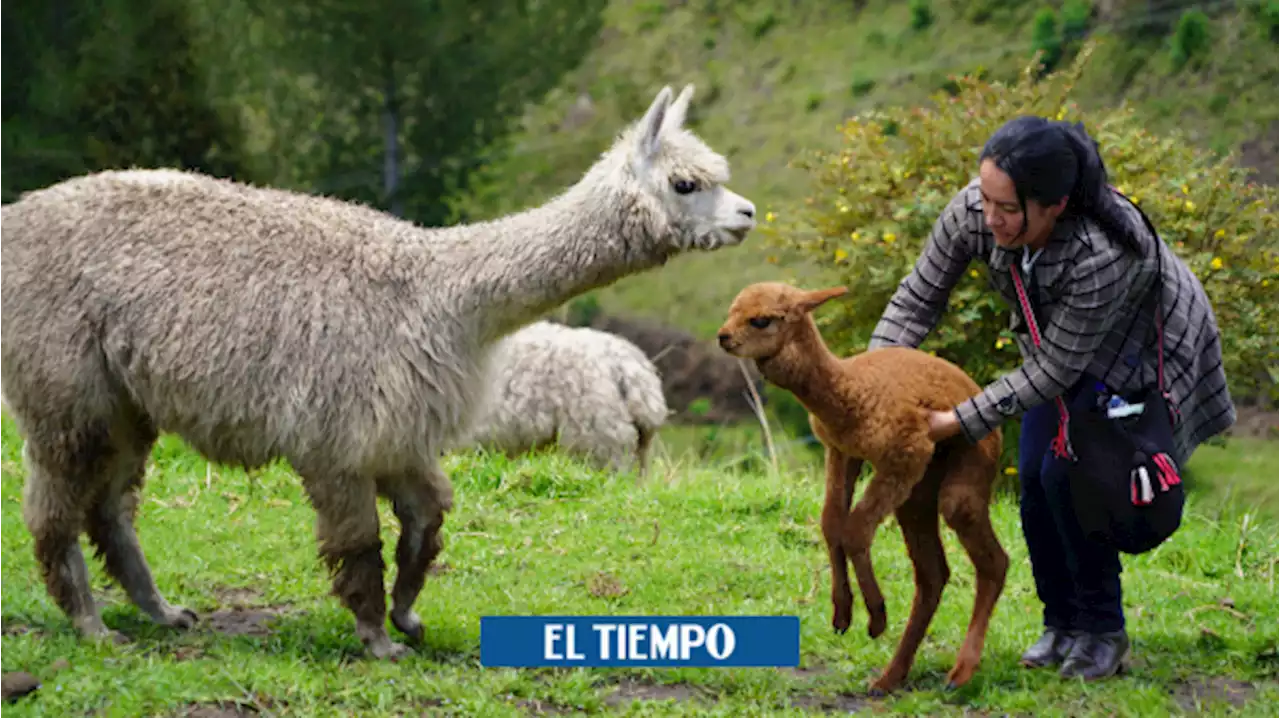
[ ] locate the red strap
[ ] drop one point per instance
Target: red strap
(1062, 442)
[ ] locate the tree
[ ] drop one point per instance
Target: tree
(409, 92)
(97, 84)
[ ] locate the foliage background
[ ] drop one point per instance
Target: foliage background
(875, 199)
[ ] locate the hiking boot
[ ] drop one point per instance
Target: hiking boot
(1050, 650)
(1097, 655)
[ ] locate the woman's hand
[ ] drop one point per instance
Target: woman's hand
(943, 425)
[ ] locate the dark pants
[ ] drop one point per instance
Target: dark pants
(1077, 580)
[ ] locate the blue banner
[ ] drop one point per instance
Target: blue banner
(639, 641)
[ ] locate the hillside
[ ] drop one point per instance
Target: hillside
(776, 77)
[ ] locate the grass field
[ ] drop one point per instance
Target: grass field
(543, 535)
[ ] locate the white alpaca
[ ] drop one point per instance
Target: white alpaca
(259, 323)
(594, 394)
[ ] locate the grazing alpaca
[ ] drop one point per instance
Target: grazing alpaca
(259, 323)
(592, 393)
(874, 407)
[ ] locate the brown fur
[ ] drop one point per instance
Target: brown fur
(874, 407)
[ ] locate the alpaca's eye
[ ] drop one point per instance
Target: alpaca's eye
(684, 186)
(760, 322)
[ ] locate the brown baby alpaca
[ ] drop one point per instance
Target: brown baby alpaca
(874, 407)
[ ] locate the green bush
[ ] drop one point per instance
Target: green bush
(876, 198)
(921, 14)
(1075, 20)
(1045, 39)
(1190, 39)
(1270, 15)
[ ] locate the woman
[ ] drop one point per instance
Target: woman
(1041, 206)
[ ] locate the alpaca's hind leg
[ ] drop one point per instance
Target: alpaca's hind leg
(347, 530)
(53, 511)
(842, 473)
(420, 503)
(109, 522)
(889, 488)
(918, 519)
(965, 506)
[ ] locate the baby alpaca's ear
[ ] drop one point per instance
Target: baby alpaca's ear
(812, 300)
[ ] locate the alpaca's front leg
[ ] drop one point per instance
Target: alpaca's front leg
(890, 487)
(842, 473)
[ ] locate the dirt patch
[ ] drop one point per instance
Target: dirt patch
(242, 612)
(1256, 422)
(841, 703)
(1191, 693)
(629, 690)
(243, 621)
(16, 685)
(603, 585)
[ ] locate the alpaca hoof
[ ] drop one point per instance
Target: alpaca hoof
(877, 621)
(179, 617)
(409, 624)
(841, 618)
(388, 650)
(961, 674)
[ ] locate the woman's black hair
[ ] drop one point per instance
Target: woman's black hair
(1049, 160)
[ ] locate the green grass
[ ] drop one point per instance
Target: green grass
(543, 535)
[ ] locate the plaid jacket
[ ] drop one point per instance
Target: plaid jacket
(1096, 315)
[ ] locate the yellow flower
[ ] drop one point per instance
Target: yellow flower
(1001, 342)
(1216, 263)
(844, 208)
(770, 216)
(854, 235)
(1010, 471)
(973, 273)
(890, 237)
(841, 255)
(1266, 282)
(1220, 234)
(1062, 113)
(1185, 190)
(1189, 205)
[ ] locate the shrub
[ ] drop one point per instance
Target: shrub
(1190, 38)
(921, 14)
(1045, 40)
(1075, 20)
(876, 198)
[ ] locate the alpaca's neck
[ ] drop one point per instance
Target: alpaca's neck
(807, 368)
(528, 263)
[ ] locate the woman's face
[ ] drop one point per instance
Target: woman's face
(1004, 215)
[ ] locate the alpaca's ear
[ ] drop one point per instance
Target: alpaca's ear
(818, 297)
(679, 109)
(650, 128)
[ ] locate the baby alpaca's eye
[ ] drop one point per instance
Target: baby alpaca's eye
(760, 322)
(684, 186)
